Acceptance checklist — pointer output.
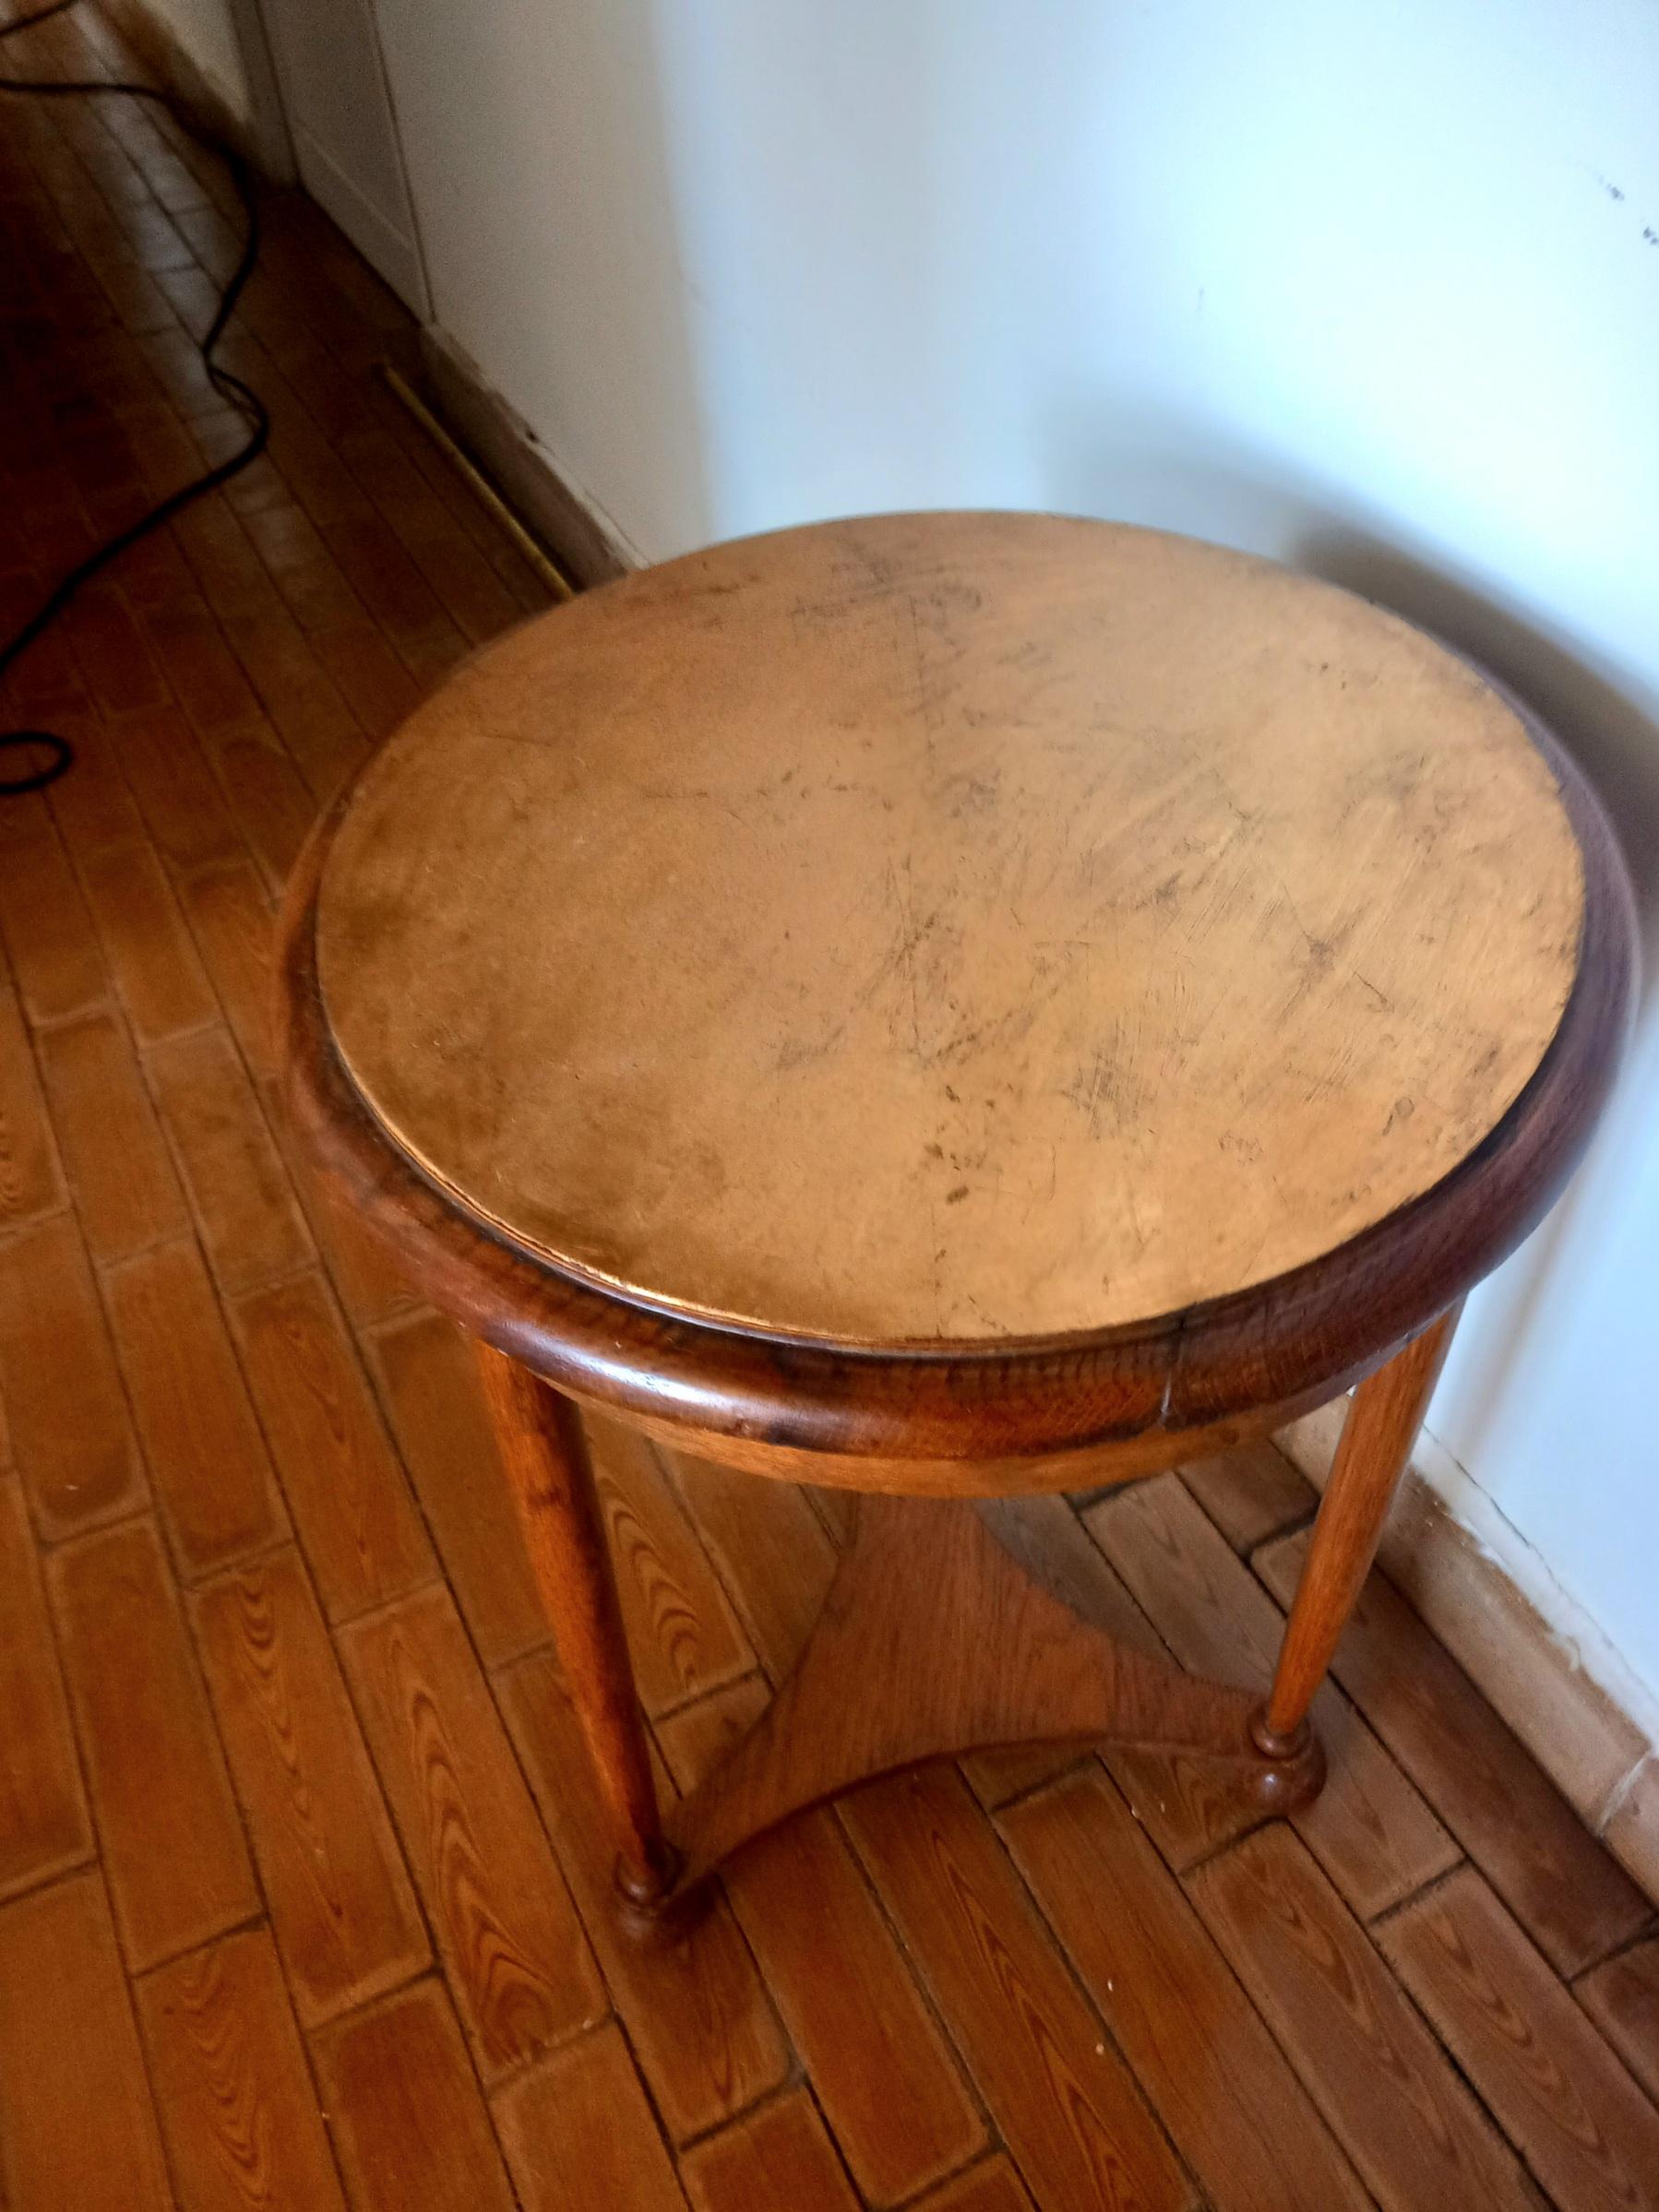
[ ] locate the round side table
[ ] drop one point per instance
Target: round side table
(951, 1006)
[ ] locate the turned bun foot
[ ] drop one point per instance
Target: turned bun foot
(1290, 1772)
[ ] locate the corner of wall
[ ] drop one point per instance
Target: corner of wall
(248, 115)
(1538, 1657)
(581, 537)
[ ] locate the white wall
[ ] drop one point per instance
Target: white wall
(534, 141)
(332, 78)
(1372, 288)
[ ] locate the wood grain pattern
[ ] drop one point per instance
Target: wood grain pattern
(150, 951)
(1573, 1900)
(209, 1465)
(437, 1414)
(682, 1636)
(409, 2124)
(351, 1503)
(30, 1180)
(1063, 2101)
(1045, 1536)
(49, 937)
(230, 917)
(887, 2082)
(1622, 1997)
(1559, 2094)
(1236, 2112)
(701, 2023)
(241, 2116)
(989, 1658)
(174, 1857)
(126, 1192)
(70, 1431)
(993, 2187)
(770, 1548)
(250, 1222)
(67, 2024)
(695, 1737)
(1369, 1828)
(341, 1903)
(183, 807)
(1388, 2090)
(920, 741)
(780, 2156)
(577, 2132)
(43, 1823)
(1250, 1493)
(517, 1964)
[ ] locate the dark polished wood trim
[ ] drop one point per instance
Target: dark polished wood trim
(986, 1655)
(1240, 1362)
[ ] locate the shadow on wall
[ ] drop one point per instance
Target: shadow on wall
(1166, 473)
(1608, 734)
(1618, 746)
(1160, 470)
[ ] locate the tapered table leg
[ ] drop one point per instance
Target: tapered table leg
(551, 1476)
(1377, 1439)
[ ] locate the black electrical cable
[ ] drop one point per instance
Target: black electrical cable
(246, 401)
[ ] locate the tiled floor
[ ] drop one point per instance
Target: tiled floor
(305, 1902)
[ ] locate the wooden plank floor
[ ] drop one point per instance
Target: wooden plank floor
(302, 1896)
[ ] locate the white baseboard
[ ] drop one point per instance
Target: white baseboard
(389, 250)
(576, 530)
(1536, 1654)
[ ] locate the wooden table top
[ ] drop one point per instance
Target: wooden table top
(954, 927)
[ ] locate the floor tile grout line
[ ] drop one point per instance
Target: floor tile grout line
(94, 1820)
(1302, 1517)
(431, 1974)
(1620, 2056)
(381, 1990)
(37, 1072)
(521, 1665)
(178, 1593)
(93, 698)
(427, 1917)
(1368, 1932)
(1621, 1949)
(94, 1855)
(150, 1501)
(1032, 1906)
(437, 1967)
(924, 1992)
(1330, 1687)
(1418, 1776)
(1442, 2043)
(64, 1870)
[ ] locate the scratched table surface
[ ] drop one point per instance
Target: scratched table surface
(950, 927)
